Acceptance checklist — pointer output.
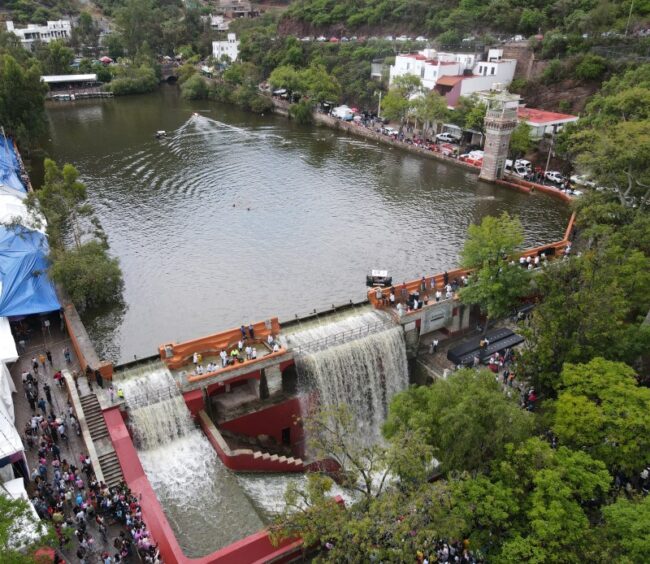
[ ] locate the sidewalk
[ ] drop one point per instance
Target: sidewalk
(37, 339)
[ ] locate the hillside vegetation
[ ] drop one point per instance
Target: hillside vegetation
(462, 17)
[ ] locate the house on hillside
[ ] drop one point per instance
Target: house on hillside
(543, 122)
(236, 9)
(59, 29)
(229, 47)
(455, 74)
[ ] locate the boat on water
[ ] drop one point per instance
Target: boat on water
(379, 278)
(160, 134)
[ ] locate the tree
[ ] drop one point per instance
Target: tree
(287, 77)
(552, 488)
(56, 57)
(365, 465)
(89, 275)
(467, 419)
(497, 283)
(520, 141)
(85, 35)
(398, 104)
(602, 410)
(320, 85)
(625, 536)
(22, 100)
(430, 109)
(195, 88)
(21, 534)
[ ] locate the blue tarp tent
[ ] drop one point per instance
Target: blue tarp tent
(9, 166)
(26, 288)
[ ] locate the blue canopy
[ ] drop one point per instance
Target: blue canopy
(9, 165)
(26, 287)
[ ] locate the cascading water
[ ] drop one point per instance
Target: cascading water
(359, 361)
(201, 498)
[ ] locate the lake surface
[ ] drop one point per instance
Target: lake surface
(235, 218)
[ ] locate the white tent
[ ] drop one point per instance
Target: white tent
(11, 445)
(8, 352)
(28, 530)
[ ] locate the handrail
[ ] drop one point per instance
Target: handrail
(342, 337)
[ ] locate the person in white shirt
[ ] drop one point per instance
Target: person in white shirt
(253, 353)
(276, 347)
(224, 358)
(240, 344)
(269, 340)
(248, 352)
(438, 295)
(195, 358)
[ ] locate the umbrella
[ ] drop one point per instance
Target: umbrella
(106, 60)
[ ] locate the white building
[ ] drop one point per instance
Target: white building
(219, 23)
(60, 29)
(455, 74)
(229, 47)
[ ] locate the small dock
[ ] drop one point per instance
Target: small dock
(71, 97)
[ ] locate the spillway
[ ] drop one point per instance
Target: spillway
(359, 361)
(202, 499)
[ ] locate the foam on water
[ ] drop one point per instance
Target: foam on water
(202, 499)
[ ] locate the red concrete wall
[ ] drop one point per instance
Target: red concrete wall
(254, 548)
(194, 401)
(271, 421)
(241, 461)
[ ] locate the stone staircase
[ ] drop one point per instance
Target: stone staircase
(108, 461)
(94, 417)
(289, 460)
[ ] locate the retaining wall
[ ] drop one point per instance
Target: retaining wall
(255, 548)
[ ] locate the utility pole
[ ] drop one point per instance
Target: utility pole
(548, 159)
(379, 105)
(629, 17)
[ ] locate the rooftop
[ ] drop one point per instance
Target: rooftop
(542, 117)
(55, 78)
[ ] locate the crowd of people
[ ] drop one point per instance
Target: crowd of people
(245, 350)
(448, 552)
(63, 487)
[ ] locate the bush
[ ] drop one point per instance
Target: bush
(134, 81)
(302, 112)
(88, 274)
(195, 88)
(591, 68)
(554, 72)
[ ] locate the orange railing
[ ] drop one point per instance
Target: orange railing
(176, 355)
(436, 281)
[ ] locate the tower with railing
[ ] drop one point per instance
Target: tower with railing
(500, 121)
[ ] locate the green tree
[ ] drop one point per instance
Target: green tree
(287, 77)
(56, 57)
(90, 276)
(497, 283)
(552, 488)
(591, 68)
(22, 100)
(470, 113)
(626, 527)
(602, 410)
(195, 88)
(431, 109)
(85, 34)
(398, 105)
(520, 141)
(320, 85)
(467, 419)
(16, 544)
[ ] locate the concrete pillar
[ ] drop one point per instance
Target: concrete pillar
(273, 379)
(254, 386)
(411, 339)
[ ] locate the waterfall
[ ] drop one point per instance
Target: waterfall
(202, 500)
(364, 367)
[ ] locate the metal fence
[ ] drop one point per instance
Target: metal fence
(342, 337)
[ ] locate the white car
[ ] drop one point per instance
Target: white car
(554, 176)
(446, 138)
(388, 38)
(421, 38)
(582, 180)
(524, 163)
(321, 38)
(305, 39)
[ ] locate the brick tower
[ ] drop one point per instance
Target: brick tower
(500, 121)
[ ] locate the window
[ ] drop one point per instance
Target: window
(422, 72)
(493, 70)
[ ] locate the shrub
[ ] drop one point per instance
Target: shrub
(195, 88)
(134, 81)
(591, 68)
(554, 72)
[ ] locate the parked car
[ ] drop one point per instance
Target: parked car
(446, 138)
(582, 180)
(321, 38)
(554, 176)
(389, 131)
(421, 38)
(524, 163)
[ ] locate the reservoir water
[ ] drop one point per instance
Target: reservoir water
(234, 217)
